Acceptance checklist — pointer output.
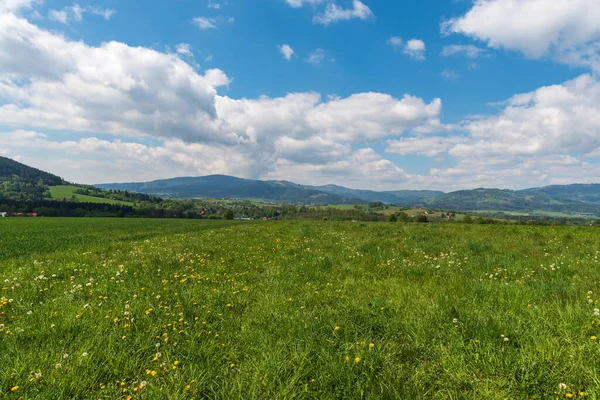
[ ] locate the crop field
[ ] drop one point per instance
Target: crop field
(182, 309)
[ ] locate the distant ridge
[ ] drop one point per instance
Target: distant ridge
(224, 186)
(577, 200)
(570, 200)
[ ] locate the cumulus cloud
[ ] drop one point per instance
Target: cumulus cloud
(93, 160)
(565, 30)
(286, 51)
(429, 146)
(547, 136)
(364, 168)
(415, 48)
(51, 82)
(553, 119)
(314, 150)
(334, 13)
(361, 117)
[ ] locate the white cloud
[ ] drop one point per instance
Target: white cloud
(51, 82)
(287, 51)
(553, 119)
(415, 48)
(17, 5)
(314, 150)
(205, 23)
(300, 3)
(449, 75)
(469, 51)
(214, 4)
(334, 13)
(361, 169)
(106, 13)
(76, 12)
(430, 146)
(217, 78)
(548, 136)
(92, 160)
(566, 30)
(184, 49)
(316, 57)
(395, 41)
(48, 82)
(58, 16)
(362, 117)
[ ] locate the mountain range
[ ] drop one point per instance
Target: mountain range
(223, 186)
(19, 181)
(567, 200)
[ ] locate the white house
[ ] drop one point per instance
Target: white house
(3, 214)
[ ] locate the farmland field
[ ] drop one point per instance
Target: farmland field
(178, 309)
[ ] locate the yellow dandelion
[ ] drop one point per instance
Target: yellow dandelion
(371, 345)
(337, 328)
(357, 360)
(14, 388)
(188, 388)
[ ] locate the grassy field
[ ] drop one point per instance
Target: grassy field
(65, 192)
(178, 309)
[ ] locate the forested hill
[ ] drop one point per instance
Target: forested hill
(564, 200)
(9, 169)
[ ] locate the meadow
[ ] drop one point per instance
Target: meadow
(68, 192)
(182, 309)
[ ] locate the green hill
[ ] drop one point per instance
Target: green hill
(13, 170)
(69, 192)
(222, 186)
(533, 202)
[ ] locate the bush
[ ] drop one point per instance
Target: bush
(422, 218)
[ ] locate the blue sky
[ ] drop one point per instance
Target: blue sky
(369, 94)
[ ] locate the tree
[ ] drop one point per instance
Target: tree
(422, 218)
(403, 217)
(392, 218)
(467, 219)
(228, 214)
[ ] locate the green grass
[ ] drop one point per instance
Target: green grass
(106, 308)
(65, 192)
